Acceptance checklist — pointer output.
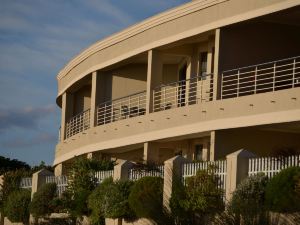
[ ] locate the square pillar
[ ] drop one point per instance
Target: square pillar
(151, 152)
(172, 177)
(60, 170)
(237, 170)
(154, 76)
(216, 85)
(192, 72)
(95, 95)
(66, 113)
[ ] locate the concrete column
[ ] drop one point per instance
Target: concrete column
(192, 71)
(38, 179)
(121, 170)
(212, 155)
(95, 95)
(66, 113)
(60, 170)
(151, 152)
(237, 170)
(216, 85)
(154, 76)
(172, 177)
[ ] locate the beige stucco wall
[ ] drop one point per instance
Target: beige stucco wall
(184, 21)
(128, 80)
(257, 42)
(260, 142)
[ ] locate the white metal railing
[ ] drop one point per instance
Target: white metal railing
(60, 181)
(135, 174)
(122, 108)
(26, 183)
(260, 78)
(101, 175)
(78, 123)
(270, 166)
(220, 170)
(184, 92)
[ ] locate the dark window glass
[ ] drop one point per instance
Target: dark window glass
(198, 152)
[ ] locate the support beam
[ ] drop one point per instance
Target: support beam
(216, 86)
(154, 76)
(151, 152)
(95, 92)
(66, 113)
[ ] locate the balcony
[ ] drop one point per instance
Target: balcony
(251, 80)
(266, 77)
(122, 108)
(78, 123)
(182, 93)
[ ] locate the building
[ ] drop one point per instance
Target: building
(202, 80)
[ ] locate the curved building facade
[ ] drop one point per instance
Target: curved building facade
(202, 80)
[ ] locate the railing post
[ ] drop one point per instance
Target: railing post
(274, 74)
(237, 170)
(222, 85)
(255, 80)
(294, 68)
(238, 84)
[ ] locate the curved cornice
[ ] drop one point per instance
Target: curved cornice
(147, 24)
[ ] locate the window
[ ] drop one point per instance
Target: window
(203, 65)
(198, 152)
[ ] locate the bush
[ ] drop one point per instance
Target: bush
(82, 182)
(11, 183)
(146, 197)
(248, 200)
(97, 199)
(203, 197)
(281, 191)
(117, 201)
(17, 206)
(41, 204)
(110, 200)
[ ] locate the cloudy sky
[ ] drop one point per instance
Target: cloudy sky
(37, 38)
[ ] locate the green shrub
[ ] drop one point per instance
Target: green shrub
(81, 183)
(281, 193)
(110, 200)
(248, 200)
(11, 183)
(146, 197)
(17, 206)
(117, 201)
(97, 201)
(203, 197)
(41, 204)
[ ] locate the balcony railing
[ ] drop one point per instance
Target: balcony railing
(266, 77)
(78, 123)
(182, 93)
(122, 108)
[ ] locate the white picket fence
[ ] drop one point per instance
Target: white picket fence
(220, 170)
(270, 166)
(61, 183)
(135, 174)
(26, 183)
(101, 175)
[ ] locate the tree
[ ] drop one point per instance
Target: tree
(7, 164)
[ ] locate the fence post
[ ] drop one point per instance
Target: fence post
(172, 175)
(237, 169)
(1, 215)
(121, 170)
(38, 179)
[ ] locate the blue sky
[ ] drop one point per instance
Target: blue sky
(37, 38)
